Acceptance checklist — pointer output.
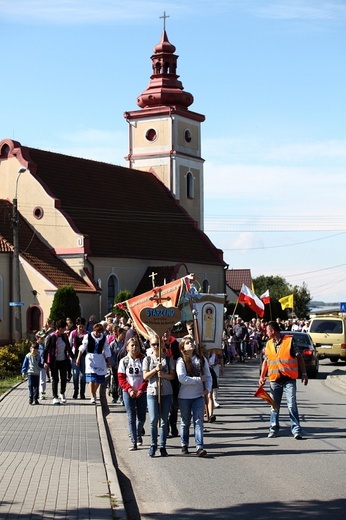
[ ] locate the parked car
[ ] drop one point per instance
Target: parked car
(328, 334)
(307, 349)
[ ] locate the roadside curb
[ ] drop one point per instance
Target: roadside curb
(116, 498)
(337, 381)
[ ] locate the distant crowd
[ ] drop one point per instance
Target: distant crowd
(245, 340)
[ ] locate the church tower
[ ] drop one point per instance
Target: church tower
(165, 136)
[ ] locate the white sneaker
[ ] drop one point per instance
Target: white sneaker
(92, 400)
(56, 400)
(216, 405)
(63, 398)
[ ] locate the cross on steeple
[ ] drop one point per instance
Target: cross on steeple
(164, 19)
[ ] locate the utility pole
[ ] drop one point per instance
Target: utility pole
(16, 265)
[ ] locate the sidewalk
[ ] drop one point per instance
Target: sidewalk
(55, 461)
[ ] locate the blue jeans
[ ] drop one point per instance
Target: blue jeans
(277, 389)
(136, 409)
(196, 408)
(153, 408)
(79, 376)
(33, 385)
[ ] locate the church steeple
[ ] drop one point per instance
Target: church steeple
(165, 136)
(164, 87)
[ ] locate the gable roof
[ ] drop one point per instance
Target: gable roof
(235, 278)
(126, 213)
(163, 274)
(36, 253)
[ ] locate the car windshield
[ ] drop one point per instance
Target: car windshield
(302, 340)
(326, 326)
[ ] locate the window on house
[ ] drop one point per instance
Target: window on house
(1, 299)
(205, 286)
(112, 291)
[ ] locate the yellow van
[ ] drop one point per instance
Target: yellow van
(329, 336)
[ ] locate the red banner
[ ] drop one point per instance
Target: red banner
(168, 295)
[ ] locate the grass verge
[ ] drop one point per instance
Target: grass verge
(8, 382)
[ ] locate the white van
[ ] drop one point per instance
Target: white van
(329, 336)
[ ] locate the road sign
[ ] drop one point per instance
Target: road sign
(19, 304)
(342, 306)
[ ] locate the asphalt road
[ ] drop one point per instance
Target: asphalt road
(246, 475)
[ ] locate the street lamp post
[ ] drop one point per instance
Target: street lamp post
(16, 264)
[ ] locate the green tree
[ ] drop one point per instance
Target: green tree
(65, 304)
(279, 287)
(121, 297)
(301, 300)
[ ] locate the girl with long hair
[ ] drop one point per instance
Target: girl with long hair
(195, 383)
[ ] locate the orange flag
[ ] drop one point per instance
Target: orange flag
(260, 392)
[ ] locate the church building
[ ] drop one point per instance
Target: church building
(103, 228)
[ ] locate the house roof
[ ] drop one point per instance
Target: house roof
(36, 253)
(125, 212)
(235, 278)
(163, 274)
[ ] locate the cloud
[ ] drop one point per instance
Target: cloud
(110, 11)
(302, 10)
(80, 11)
(92, 143)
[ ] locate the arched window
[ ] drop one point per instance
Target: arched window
(190, 185)
(112, 291)
(205, 286)
(1, 298)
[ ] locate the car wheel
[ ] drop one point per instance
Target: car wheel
(334, 359)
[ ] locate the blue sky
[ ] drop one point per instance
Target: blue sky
(269, 75)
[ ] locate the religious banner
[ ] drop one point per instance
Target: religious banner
(209, 309)
(167, 294)
(160, 318)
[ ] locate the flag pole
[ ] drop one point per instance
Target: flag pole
(194, 312)
(235, 308)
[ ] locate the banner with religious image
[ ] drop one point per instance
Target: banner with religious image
(210, 316)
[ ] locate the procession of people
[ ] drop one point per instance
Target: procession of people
(165, 377)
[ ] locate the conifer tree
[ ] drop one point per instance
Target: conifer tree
(65, 304)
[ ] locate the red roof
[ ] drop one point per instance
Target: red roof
(125, 213)
(37, 253)
(235, 278)
(163, 274)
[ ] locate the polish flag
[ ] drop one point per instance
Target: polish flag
(265, 297)
(251, 300)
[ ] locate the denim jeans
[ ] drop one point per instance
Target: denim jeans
(33, 384)
(136, 409)
(196, 408)
(59, 367)
(154, 408)
(79, 376)
(277, 389)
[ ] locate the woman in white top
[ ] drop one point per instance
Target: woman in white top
(158, 373)
(195, 382)
(97, 358)
(130, 377)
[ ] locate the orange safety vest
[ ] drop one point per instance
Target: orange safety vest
(281, 362)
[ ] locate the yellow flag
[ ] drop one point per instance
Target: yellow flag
(287, 302)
